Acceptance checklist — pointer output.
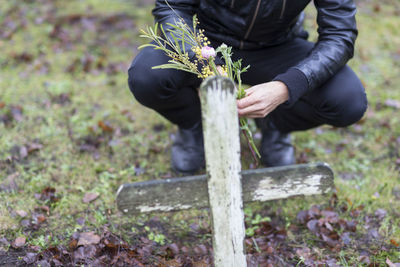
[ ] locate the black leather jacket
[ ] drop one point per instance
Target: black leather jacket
(252, 24)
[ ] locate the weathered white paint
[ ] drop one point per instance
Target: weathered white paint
(120, 189)
(159, 207)
(222, 148)
(257, 185)
(268, 189)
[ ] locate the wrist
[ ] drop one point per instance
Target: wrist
(283, 91)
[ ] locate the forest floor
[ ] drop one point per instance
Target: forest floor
(71, 133)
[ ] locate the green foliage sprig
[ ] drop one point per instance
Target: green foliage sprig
(177, 39)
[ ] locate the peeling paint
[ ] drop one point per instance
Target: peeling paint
(120, 189)
(159, 207)
(222, 148)
(268, 189)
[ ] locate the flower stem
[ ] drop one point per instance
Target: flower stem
(250, 142)
(213, 66)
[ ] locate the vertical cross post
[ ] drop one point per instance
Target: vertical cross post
(222, 149)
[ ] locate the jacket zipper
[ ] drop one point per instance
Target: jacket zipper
(283, 9)
(252, 23)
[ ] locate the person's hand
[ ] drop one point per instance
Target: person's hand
(261, 99)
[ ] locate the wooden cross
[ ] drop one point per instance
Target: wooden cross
(225, 186)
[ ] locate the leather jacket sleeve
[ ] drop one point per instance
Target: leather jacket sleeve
(173, 11)
(335, 46)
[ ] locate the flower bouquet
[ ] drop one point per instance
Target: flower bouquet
(176, 43)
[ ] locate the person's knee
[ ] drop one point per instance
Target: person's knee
(351, 108)
(139, 84)
(146, 84)
(342, 100)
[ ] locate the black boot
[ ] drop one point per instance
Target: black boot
(276, 147)
(187, 153)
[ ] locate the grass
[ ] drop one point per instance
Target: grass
(363, 156)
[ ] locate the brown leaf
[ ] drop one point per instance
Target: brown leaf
(32, 147)
(88, 238)
(2, 105)
(19, 241)
(44, 208)
(73, 244)
(377, 8)
(24, 57)
(329, 241)
(105, 126)
(202, 263)
(49, 193)
(175, 263)
(40, 218)
(89, 197)
(394, 243)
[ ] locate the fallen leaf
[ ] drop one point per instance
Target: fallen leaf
(21, 213)
(105, 126)
(23, 57)
(4, 241)
(25, 223)
(392, 103)
(89, 197)
(44, 208)
(174, 249)
(373, 234)
(10, 184)
(43, 263)
(391, 264)
(48, 193)
(377, 8)
(312, 225)
(19, 241)
(88, 238)
(16, 112)
(73, 244)
(30, 258)
(39, 218)
(394, 243)
(380, 213)
(23, 152)
(32, 147)
(345, 237)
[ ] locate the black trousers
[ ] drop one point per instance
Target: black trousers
(341, 101)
